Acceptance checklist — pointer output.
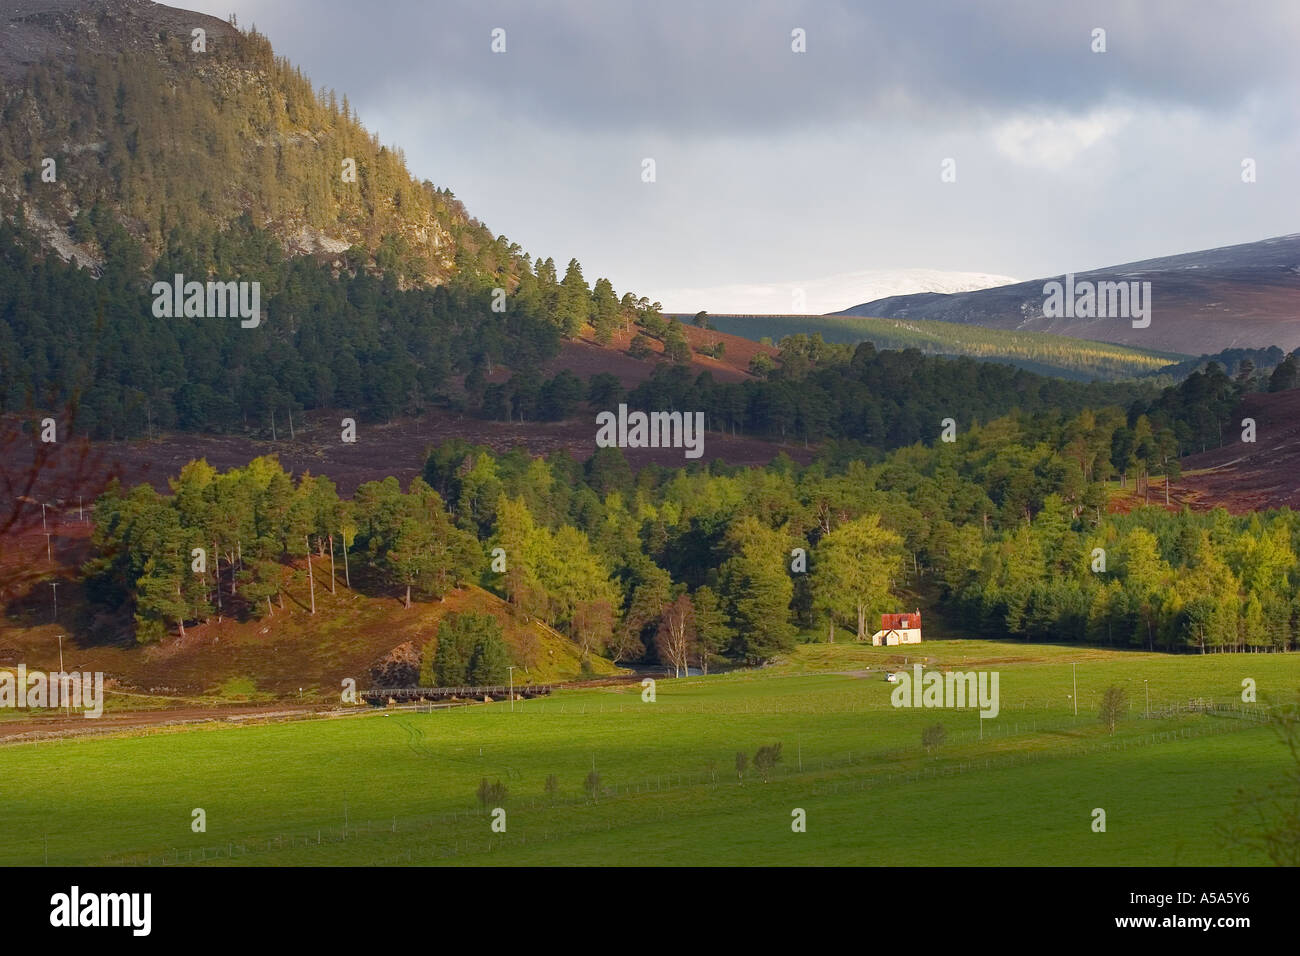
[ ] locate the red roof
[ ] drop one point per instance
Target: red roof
(900, 622)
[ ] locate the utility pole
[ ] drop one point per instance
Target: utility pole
(63, 681)
(347, 578)
(1075, 677)
(1148, 690)
(54, 585)
(511, 669)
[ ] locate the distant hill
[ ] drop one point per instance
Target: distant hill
(826, 293)
(1239, 296)
(1231, 361)
(1054, 355)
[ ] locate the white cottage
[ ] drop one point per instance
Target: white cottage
(902, 628)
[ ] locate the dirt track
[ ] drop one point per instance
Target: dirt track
(52, 726)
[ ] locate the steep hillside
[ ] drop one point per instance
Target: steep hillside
(176, 140)
(1246, 295)
(585, 357)
(251, 660)
(1245, 476)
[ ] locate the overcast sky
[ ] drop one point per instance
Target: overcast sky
(781, 169)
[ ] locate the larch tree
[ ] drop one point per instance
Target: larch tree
(758, 589)
(854, 570)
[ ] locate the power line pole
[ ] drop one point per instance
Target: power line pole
(1075, 677)
(511, 669)
(347, 577)
(63, 680)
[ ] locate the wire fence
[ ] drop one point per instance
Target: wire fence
(801, 766)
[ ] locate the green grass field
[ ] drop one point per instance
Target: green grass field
(278, 793)
(1042, 352)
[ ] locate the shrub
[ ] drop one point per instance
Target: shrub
(492, 794)
(933, 736)
(640, 347)
(765, 759)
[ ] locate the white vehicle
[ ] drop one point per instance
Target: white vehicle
(891, 677)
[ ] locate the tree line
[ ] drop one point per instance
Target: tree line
(701, 565)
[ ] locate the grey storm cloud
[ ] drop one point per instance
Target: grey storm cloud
(715, 67)
(778, 169)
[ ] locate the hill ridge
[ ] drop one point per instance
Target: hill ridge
(1240, 295)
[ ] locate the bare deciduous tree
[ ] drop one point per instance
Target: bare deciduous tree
(765, 760)
(676, 635)
(1114, 705)
(1268, 821)
(64, 474)
(933, 736)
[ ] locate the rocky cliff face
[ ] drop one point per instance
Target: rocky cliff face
(119, 103)
(53, 31)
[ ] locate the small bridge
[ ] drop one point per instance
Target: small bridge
(378, 696)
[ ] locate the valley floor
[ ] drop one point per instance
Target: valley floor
(398, 787)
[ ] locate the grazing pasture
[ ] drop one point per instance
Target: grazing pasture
(641, 782)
